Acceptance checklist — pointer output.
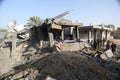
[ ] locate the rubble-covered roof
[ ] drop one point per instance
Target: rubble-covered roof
(97, 27)
(65, 22)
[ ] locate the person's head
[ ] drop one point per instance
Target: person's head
(113, 43)
(108, 41)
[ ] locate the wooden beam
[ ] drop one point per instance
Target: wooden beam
(62, 34)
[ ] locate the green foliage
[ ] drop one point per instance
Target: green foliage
(35, 21)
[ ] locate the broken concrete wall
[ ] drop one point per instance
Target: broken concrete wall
(107, 54)
(73, 46)
(84, 34)
(5, 61)
(108, 35)
(9, 60)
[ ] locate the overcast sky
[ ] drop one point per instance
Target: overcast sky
(86, 11)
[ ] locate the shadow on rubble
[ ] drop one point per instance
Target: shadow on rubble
(73, 66)
(32, 45)
(33, 49)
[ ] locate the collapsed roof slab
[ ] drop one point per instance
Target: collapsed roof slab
(69, 23)
(99, 27)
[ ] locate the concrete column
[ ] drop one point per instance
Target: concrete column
(106, 35)
(101, 34)
(40, 38)
(95, 34)
(51, 36)
(71, 30)
(51, 39)
(62, 34)
(77, 33)
(89, 35)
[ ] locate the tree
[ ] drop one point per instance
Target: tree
(36, 21)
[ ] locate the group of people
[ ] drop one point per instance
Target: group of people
(111, 45)
(98, 43)
(101, 43)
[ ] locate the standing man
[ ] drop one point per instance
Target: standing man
(95, 45)
(108, 45)
(113, 47)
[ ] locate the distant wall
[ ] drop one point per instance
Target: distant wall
(2, 34)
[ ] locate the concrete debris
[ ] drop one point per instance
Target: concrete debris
(87, 45)
(107, 54)
(66, 66)
(50, 78)
(58, 46)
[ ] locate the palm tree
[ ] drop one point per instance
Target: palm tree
(36, 21)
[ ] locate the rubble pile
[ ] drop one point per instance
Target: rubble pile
(74, 66)
(69, 66)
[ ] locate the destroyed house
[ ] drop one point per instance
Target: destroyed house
(70, 29)
(65, 31)
(73, 34)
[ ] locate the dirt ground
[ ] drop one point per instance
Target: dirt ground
(73, 66)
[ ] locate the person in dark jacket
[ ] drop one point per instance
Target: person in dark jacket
(113, 47)
(98, 42)
(108, 45)
(104, 41)
(95, 45)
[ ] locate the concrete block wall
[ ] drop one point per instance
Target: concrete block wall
(73, 46)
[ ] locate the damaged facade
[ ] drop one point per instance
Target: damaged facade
(93, 32)
(62, 32)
